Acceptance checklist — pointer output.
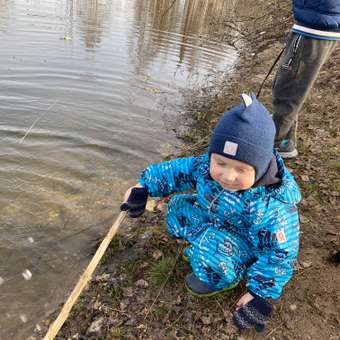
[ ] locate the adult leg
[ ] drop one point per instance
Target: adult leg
(299, 67)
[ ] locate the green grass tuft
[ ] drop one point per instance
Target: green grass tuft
(160, 271)
(116, 333)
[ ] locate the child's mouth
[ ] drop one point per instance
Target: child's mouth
(228, 185)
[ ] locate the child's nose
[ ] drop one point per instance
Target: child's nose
(229, 176)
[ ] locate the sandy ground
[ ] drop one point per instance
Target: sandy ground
(138, 291)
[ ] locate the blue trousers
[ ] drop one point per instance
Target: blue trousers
(218, 256)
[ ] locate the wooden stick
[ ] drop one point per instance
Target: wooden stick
(84, 279)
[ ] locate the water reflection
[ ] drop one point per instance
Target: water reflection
(81, 83)
(192, 16)
(4, 13)
(182, 30)
(93, 16)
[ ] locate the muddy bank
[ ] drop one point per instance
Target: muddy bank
(138, 291)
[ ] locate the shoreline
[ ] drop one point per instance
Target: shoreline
(137, 291)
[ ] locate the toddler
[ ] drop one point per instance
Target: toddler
(237, 210)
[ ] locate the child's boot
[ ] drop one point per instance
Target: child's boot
(201, 289)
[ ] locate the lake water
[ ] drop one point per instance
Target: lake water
(89, 93)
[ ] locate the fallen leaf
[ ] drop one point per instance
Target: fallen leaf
(142, 283)
(206, 320)
(306, 264)
(157, 254)
(151, 205)
(144, 265)
(122, 306)
(128, 291)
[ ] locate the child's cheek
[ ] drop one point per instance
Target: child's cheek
(242, 183)
(213, 173)
(246, 183)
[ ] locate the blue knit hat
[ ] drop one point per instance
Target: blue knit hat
(245, 133)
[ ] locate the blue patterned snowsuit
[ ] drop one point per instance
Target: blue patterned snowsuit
(252, 234)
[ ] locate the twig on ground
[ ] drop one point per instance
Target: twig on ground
(219, 305)
(174, 323)
(164, 283)
(273, 330)
(203, 143)
(302, 271)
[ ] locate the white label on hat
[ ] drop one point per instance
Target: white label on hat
(246, 99)
(230, 148)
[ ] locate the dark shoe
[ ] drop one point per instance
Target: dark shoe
(201, 289)
(287, 149)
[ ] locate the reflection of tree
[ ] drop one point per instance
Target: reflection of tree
(4, 7)
(4, 3)
(93, 14)
(148, 14)
(158, 20)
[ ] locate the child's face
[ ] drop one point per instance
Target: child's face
(231, 174)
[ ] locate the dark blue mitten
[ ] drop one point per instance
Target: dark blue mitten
(136, 202)
(253, 314)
